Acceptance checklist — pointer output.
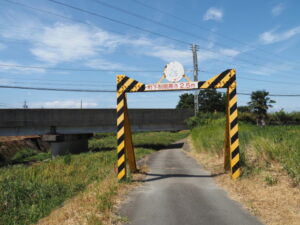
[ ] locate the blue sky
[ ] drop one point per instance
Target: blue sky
(260, 39)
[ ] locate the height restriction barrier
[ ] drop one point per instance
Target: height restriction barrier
(125, 149)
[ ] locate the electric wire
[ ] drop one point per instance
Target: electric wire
(144, 30)
(77, 69)
(136, 27)
(162, 12)
(57, 89)
(164, 25)
(113, 91)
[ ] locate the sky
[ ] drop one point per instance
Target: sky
(84, 44)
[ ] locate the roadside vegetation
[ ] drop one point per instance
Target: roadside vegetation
(29, 192)
(259, 146)
(269, 153)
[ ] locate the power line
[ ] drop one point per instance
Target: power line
(56, 89)
(56, 80)
(55, 14)
(142, 29)
(76, 69)
(155, 22)
(116, 21)
(260, 80)
(268, 81)
(60, 84)
(93, 83)
(162, 24)
(113, 91)
(203, 28)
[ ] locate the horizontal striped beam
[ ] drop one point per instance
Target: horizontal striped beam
(222, 80)
(226, 79)
(126, 84)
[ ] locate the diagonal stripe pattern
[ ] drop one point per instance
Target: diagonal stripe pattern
(226, 79)
(222, 80)
(124, 84)
(233, 131)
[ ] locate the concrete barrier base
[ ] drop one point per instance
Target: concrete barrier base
(67, 143)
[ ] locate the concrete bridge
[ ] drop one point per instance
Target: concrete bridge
(71, 128)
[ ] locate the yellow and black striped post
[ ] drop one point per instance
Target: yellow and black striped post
(227, 141)
(124, 137)
(121, 163)
(233, 130)
(226, 79)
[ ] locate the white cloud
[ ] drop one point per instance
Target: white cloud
(278, 9)
(63, 42)
(65, 104)
(229, 52)
(213, 14)
(271, 37)
(15, 67)
(168, 54)
(70, 42)
(104, 64)
(271, 69)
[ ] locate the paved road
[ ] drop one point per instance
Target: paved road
(177, 191)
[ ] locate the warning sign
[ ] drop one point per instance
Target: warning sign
(171, 86)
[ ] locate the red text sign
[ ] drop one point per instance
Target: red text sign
(171, 86)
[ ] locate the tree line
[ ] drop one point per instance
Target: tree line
(211, 101)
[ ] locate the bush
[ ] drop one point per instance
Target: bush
(3, 160)
(203, 119)
(259, 146)
(247, 117)
(281, 118)
(30, 192)
(20, 156)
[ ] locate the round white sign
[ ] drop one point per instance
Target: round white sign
(174, 71)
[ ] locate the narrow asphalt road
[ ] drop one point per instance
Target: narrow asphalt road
(177, 191)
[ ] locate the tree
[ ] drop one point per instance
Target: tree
(259, 105)
(212, 101)
(209, 101)
(244, 108)
(186, 101)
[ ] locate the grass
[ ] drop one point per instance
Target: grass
(29, 155)
(259, 146)
(23, 156)
(30, 192)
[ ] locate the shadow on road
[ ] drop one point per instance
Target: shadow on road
(165, 176)
(160, 146)
(155, 147)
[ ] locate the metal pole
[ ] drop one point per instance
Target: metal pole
(195, 62)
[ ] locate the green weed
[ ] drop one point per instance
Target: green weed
(259, 146)
(270, 180)
(30, 192)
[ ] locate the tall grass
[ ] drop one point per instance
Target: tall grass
(30, 192)
(259, 146)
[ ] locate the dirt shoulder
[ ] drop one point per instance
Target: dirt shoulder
(275, 202)
(98, 204)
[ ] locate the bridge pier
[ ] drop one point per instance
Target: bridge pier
(62, 144)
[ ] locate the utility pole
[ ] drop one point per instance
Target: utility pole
(195, 48)
(25, 106)
(81, 104)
